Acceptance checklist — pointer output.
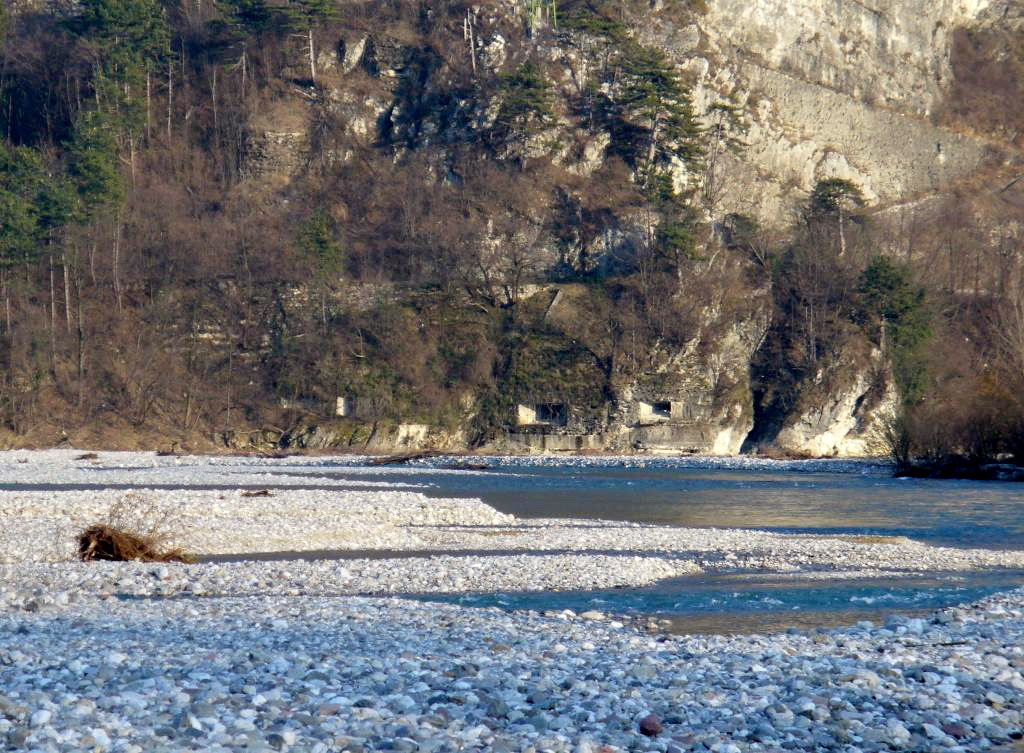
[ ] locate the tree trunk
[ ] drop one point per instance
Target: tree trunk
(651, 147)
(170, 97)
(67, 294)
(7, 299)
(81, 344)
(216, 126)
(117, 261)
(467, 33)
(188, 408)
(312, 57)
(229, 396)
(131, 156)
(149, 103)
(53, 299)
(842, 234)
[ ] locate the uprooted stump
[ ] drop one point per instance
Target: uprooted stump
(102, 542)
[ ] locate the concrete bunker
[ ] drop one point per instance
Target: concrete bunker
(542, 414)
(358, 408)
(655, 411)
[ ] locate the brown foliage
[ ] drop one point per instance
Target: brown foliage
(103, 542)
(988, 77)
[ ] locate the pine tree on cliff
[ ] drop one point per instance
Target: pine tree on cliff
(836, 199)
(323, 252)
(20, 171)
(644, 102)
(526, 106)
(125, 39)
(253, 17)
(653, 93)
(35, 203)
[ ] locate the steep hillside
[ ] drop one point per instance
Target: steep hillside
(509, 224)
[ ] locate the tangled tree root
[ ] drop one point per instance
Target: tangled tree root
(103, 542)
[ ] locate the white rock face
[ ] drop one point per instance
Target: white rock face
(730, 439)
(831, 89)
(892, 52)
(846, 423)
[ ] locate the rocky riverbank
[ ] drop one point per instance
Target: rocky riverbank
(286, 673)
(285, 655)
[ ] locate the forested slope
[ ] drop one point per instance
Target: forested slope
(223, 223)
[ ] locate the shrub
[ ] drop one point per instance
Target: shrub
(103, 542)
(132, 532)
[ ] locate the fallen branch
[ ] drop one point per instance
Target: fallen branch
(407, 458)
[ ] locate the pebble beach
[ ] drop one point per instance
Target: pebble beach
(318, 654)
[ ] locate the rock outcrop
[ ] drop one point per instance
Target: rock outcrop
(844, 411)
(830, 90)
(694, 398)
(699, 400)
(825, 90)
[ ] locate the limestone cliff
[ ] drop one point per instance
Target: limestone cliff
(844, 411)
(692, 397)
(830, 89)
(823, 89)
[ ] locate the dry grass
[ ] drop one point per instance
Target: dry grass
(134, 531)
(100, 542)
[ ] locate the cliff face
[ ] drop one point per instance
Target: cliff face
(693, 397)
(889, 53)
(841, 89)
(831, 89)
(845, 410)
(823, 89)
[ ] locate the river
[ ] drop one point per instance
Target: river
(859, 499)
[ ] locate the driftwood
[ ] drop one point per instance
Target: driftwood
(407, 458)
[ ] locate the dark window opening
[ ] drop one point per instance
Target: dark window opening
(551, 413)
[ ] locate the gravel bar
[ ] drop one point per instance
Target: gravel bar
(294, 656)
(284, 673)
(577, 553)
